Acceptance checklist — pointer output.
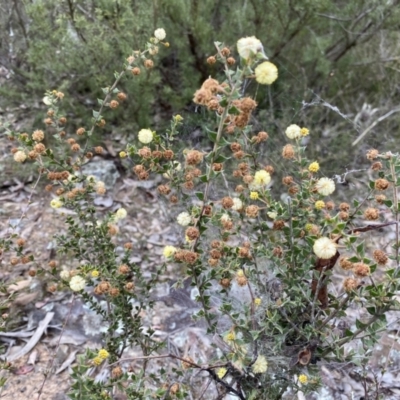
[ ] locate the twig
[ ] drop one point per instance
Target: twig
(380, 119)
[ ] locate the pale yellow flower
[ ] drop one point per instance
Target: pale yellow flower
(230, 337)
(249, 46)
(260, 366)
(122, 154)
(65, 275)
(77, 283)
(145, 136)
(325, 186)
(225, 218)
(56, 203)
(160, 34)
(20, 156)
(120, 214)
(261, 178)
(47, 100)
(257, 301)
(266, 73)
(221, 372)
(324, 248)
(313, 167)
(169, 251)
(184, 218)
(237, 204)
(319, 205)
(293, 131)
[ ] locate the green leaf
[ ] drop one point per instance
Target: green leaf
(388, 203)
(203, 178)
(371, 185)
(360, 325)
(200, 195)
(100, 101)
(212, 136)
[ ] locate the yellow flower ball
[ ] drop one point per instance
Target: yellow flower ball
(254, 195)
(56, 203)
(95, 274)
(319, 205)
(221, 372)
(266, 73)
(303, 379)
(169, 251)
(122, 154)
(260, 366)
(313, 167)
(97, 361)
(304, 131)
(257, 301)
(103, 354)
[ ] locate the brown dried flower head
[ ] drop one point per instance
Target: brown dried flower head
(123, 269)
(344, 207)
(194, 157)
(376, 166)
(227, 202)
(168, 154)
(372, 154)
(145, 152)
(38, 135)
(361, 269)
(239, 188)
(202, 96)
(135, 71)
(278, 225)
(225, 283)
(121, 96)
(380, 257)
(211, 60)
(217, 167)
(371, 214)
(252, 211)
(287, 180)
(164, 189)
(381, 184)
(345, 263)
(350, 284)
(148, 63)
(270, 169)
(288, 152)
(380, 198)
(344, 216)
(192, 233)
(40, 148)
(114, 104)
(116, 372)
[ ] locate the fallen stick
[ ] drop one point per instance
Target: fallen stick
(34, 339)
